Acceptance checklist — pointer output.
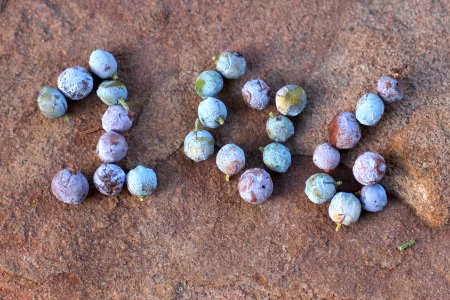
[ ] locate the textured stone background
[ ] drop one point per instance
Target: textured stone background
(195, 239)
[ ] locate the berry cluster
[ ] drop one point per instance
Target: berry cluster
(369, 168)
(255, 185)
(75, 83)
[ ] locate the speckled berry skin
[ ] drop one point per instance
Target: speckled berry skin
(344, 208)
(255, 186)
(70, 187)
(109, 179)
(112, 147)
(291, 100)
(369, 168)
(369, 110)
(230, 159)
(389, 89)
(116, 118)
(212, 112)
(110, 91)
(52, 103)
(75, 83)
(279, 128)
(344, 131)
(277, 157)
(256, 94)
(373, 198)
(231, 65)
(142, 181)
(199, 145)
(208, 84)
(326, 157)
(320, 188)
(102, 63)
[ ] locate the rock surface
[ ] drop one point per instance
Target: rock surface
(195, 238)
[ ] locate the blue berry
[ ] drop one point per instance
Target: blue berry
(75, 83)
(344, 131)
(256, 94)
(208, 84)
(116, 118)
(344, 209)
(369, 168)
(198, 145)
(255, 186)
(326, 157)
(291, 100)
(142, 181)
(212, 112)
(52, 103)
(70, 187)
(279, 128)
(109, 179)
(277, 157)
(369, 110)
(389, 89)
(111, 147)
(373, 198)
(320, 188)
(102, 63)
(112, 92)
(230, 159)
(230, 64)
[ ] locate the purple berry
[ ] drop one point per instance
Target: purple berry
(256, 94)
(389, 89)
(255, 186)
(102, 63)
(369, 168)
(326, 157)
(116, 118)
(344, 131)
(70, 187)
(373, 198)
(76, 83)
(112, 147)
(109, 179)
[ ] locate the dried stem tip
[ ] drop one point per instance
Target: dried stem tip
(406, 245)
(338, 226)
(197, 124)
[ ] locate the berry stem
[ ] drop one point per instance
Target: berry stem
(271, 115)
(406, 245)
(197, 124)
(115, 76)
(227, 178)
(220, 121)
(215, 59)
(337, 183)
(338, 226)
(122, 102)
(261, 149)
(66, 117)
(357, 193)
(142, 198)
